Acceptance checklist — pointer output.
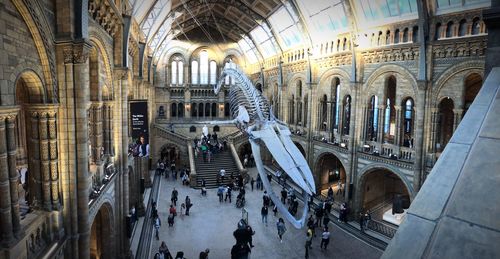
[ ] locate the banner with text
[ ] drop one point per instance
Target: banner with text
(140, 125)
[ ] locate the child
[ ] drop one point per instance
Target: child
(183, 207)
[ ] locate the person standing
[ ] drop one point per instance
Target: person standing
(252, 182)
(204, 254)
(263, 212)
(228, 194)
(283, 195)
(265, 199)
(280, 225)
(173, 199)
(220, 193)
(222, 174)
(188, 205)
(362, 221)
(325, 238)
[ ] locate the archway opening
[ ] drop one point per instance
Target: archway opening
(101, 237)
(170, 154)
(473, 84)
(445, 123)
(29, 90)
(332, 174)
(385, 195)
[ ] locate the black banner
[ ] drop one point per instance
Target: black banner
(140, 125)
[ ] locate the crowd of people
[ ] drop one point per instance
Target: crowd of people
(208, 146)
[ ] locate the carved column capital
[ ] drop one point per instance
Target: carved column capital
(76, 53)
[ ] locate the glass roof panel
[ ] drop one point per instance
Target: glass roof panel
(324, 18)
(285, 24)
(448, 6)
(377, 12)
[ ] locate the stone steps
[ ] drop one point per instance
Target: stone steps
(209, 171)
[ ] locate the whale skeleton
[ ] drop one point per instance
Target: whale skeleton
(253, 115)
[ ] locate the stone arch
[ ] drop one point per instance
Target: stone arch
(33, 85)
(167, 56)
(293, 80)
(322, 178)
(328, 74)
(233, 52)
(38, 39)
(390, 69)
(99, 43)
(381, 191)
(102, 236)
(375, 166)
(170, 152)
(474, 66)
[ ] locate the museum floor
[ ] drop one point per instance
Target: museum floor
(211, 224)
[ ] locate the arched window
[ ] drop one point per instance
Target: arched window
(194, 72)
(372, 122)
(408, 116)
(414, 36)
(200, 109)
(173, 110)
(396, 36)
(462, 28)
(230, 64)
(449, 30)
(213, 72)
(204, 67)
(214, 110)
(344, 46)
(180, 110)
(388, 38)
(335, 97)
(173, 79)
(291, 112)
(194, 110)
(207, 109)
(379, 39)
(439, 29)
(390, 112)
(473, 83)
(180, 69)
(346, 122)
(324, 113)
(306, 110)
(476, 26)
(405, 35)
(445, 123)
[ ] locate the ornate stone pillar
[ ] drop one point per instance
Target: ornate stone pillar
(54, 170)
(97, 129)
(6, 232)
(13, 176)
(457, 118)
(434, 123)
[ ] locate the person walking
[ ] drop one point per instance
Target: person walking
(240, 251)
(164, 250)
(308, 242)
(220, 193)
(204, 254)
(280, 225)
(283, 195)
(175, 193)
(157, 224)
(252, 182)
(319, 215)
(362, 221)
(311, 225)
(188, 205)
(325, 238)
(263, 212)
(228, 194)
(222, 174)
(265, 199)
(326, 220)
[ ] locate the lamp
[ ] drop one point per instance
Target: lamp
(188, 106)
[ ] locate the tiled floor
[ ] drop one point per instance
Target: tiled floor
(211, 224)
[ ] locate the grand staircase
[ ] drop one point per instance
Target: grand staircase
(209, 171)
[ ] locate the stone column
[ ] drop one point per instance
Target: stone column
(13, 176)
(6, 231)
(399, 130)
(76, 60)
(53, 158)
(44, 158)
(419, 134)
(457, 118)
(434, 120)
(380, 124)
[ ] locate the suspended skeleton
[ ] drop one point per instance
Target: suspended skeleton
(253, 115)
